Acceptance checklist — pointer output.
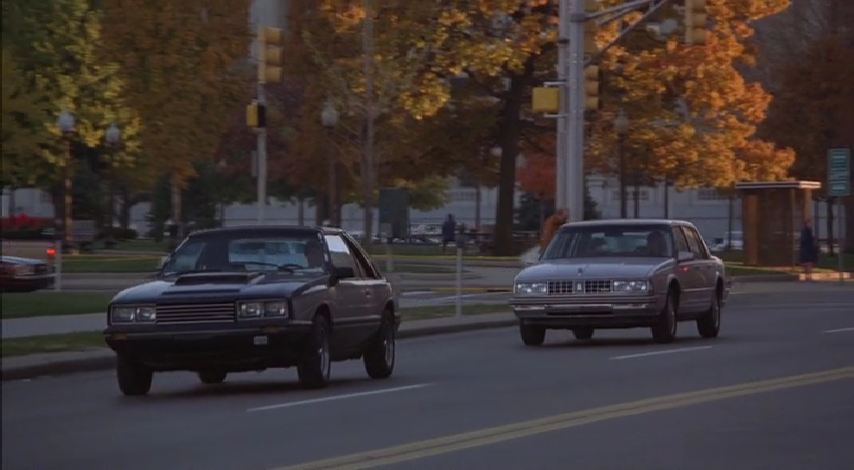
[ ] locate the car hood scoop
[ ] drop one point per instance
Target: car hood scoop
(216, 278)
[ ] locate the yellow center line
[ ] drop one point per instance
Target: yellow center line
(493, 435)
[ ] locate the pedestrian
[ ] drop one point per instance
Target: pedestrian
(449, 231)
(808, 249)
(551, 227)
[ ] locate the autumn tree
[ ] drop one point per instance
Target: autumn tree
(186, 67)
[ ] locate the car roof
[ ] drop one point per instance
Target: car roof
(299, 229)
(607, 222)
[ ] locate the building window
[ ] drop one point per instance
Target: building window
(710, 194)
(643, 195)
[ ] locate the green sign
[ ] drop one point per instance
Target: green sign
(839, 172)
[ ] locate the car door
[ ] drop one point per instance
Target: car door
(689, 272)
(376, 289)
(351, 301)
(707, 268)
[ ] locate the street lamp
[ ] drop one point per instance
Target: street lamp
(113, 138)
(329, 119)
(621, 125)
(65, 123)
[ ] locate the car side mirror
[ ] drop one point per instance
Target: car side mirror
(344, 272)
(684, 256)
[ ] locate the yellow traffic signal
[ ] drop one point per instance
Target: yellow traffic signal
(270, 54)
(255, 115)
(591, 87)
(695, 21)
(545, 100)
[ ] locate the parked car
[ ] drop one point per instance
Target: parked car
(250, 298)
(621, 274)
(24, 274)
(723, 243)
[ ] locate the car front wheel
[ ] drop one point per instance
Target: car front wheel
(134, 379)
(379, 356)
(665, 330)
(314, 368)
(532, 335)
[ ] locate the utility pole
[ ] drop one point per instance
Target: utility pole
(574, 182)
(270, 54)
(563, 113)
(261, 148)
(368, 157)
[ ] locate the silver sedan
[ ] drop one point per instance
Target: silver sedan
(621, 274)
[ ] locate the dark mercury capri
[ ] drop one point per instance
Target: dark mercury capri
(250, 298)
(621, 274)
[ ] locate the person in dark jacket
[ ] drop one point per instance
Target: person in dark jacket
(449, 231)
(808, 249)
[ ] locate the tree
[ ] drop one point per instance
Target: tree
(58, 55)
(184, 63)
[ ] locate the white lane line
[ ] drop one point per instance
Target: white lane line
(414, 293)
(469, 296)
(839, 330)
(657, 353)
(337, 397)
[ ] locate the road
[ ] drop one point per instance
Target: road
(775, 391)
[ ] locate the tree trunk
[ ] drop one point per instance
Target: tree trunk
(368, 156)
(509, 143)
(321, 209)
(849, 224)
(124, 212)
(11, 201)
(300, 211)
(67, 204)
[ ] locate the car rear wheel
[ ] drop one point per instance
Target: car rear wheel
(583, 332)
(532, 335)
(709, 325)
(212, 377)
(379, 356)
(134, 379)
(314, 368)
(665, 330)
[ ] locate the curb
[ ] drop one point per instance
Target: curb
(104, 359)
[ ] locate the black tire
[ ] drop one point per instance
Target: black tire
(380, 354)
(709, 325)
(584, 332)
(314, 368)
(212, 377)
(134, 379)
(532, 335)
(665, 330)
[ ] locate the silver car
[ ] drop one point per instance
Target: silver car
(621, 274)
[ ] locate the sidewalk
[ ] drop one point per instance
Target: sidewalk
(34, 365)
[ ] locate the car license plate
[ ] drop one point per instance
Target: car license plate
(260, 341)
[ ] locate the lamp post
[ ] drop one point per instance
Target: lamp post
(621, 125)
(65, 123)
(329, 119)
(113, 138)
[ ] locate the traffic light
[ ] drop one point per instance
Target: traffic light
(256, 114)
(695, 21)
(590, 29)
(270, 54)
(591, 87)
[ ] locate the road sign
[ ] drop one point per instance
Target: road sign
(839, 172)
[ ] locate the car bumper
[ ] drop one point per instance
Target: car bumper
(596, 312)
(235, 348)
(27, 283)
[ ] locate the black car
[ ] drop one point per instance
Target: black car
(24, 274)
(251, 298)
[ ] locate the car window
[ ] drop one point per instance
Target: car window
(365, 265)
(694, 242)
(681, 242)
(611, 241)
(186, 258)
(342, 257)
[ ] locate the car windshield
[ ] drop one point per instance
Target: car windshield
(611, 241)
(294, 253)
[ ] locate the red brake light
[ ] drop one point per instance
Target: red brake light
(51, 252)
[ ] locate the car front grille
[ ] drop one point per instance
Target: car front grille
(560, 287)
(597, 286)
(196, 313)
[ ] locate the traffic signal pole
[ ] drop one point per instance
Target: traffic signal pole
(262, 159)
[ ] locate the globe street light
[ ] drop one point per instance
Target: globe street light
(621, 125)
(65, 123)
(113, 135)
(329, 119)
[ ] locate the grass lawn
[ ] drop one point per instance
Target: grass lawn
(109, 264)
(439, 311)
(52, 343)
(35, 304)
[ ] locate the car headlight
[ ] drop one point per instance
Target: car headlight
(532, 288)
(250, 309)
(133, 313)
(634, 287)
(276, 309)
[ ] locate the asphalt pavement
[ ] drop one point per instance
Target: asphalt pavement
(774, 391)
